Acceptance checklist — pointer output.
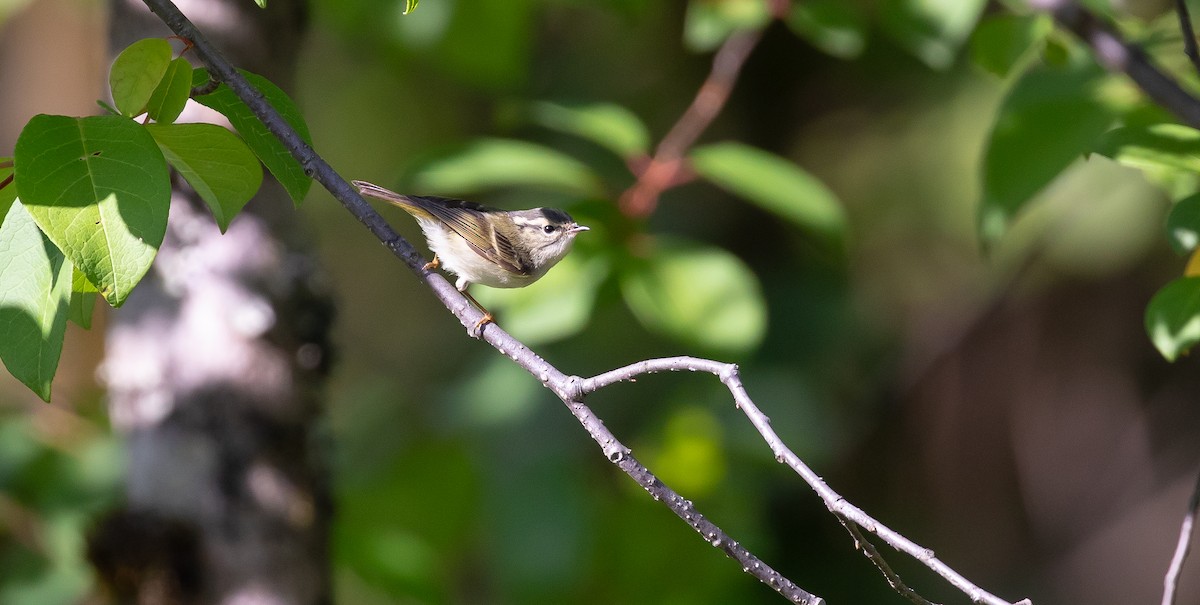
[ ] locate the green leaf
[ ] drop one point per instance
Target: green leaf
(261, 3)
(136, 73)
(1183, 224)
(490, 163)
(82, 307)
(932, 30)
(83, 300)
(835, 26)
(269, 150)
(409, 6)
(700, 295)
(1047, 121)
(557, 306)
(35, 293)
(8, 193)
(99, 188)
(1001, 43)
(610, 126)
(709, 22)
(172, 92)
(80, 283)
(1173, 317)
(215, 162)
(771, 182)
(1157, 149)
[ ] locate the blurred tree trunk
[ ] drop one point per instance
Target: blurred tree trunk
(215, 368)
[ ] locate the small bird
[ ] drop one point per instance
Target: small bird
(482, 245)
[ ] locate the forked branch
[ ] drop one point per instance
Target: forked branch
(572, 389)
(839, 506)
(467, 314)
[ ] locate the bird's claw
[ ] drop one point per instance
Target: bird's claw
(476, 330)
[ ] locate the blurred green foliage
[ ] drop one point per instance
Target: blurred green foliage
(56, 476)
(847, 186)
(777, 255)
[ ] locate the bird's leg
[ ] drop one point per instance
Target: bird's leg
(487, 318)
(433, 264)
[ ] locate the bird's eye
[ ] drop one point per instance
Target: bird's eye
(549, 229)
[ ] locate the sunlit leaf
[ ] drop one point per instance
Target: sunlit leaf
(169, 98)
(1173, 317)
(35, 294)
(490, 163)
(932, 30)
(771, 182)
(834, 26)
(269, 150)
(700, 295)
(605, 124)
(1048, 120)
(1003, 42)
(215, 162)
(136, 73)
(1183, 224)
(409, 6)
(99, 189)
(709, 22)
(1157, 149)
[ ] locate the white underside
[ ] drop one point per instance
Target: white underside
(457, 257)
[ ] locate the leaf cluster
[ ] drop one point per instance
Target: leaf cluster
(86, 207)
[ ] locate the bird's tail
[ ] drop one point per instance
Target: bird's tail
(409, 204)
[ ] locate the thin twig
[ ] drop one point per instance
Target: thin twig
(728, 374)
(1116, 54)
(562, 385)
(665, 168)
(893, 578)
(1189, 36)
(1171, 580)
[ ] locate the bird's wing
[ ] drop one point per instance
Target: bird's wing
(469, 220)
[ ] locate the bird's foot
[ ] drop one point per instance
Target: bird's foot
(476, 331)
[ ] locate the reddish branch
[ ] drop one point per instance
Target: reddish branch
(666, 169)
(8, 179)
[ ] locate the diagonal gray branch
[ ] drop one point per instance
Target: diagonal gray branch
(551, 377)
(1171, 579)
(839, 506)
(1117, 54)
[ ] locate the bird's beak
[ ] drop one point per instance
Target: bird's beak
(578, 228)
